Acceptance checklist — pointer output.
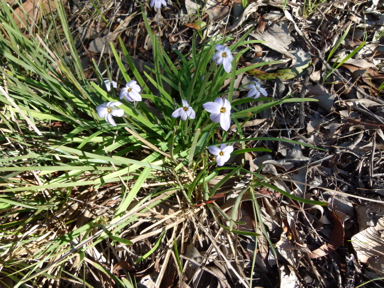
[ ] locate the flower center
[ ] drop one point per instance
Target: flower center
(223, 54)
(185, 108)
(221, 153)
(109, 110)
(222, 109)
(129, 89)
(257, 88)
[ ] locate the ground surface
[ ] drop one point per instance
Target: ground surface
(339, 245)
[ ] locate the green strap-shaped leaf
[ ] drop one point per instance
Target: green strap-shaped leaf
(132, 193)
(153, 248)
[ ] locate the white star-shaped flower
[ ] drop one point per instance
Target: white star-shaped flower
(131, 91)
(108, 84)
(222, 154)
(109, 109)
(256, 90)
(158, 3)
(220, 111)
(223, 56)
(184, 112)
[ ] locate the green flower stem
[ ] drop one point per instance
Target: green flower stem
(205, 81)
(214, 78)
(186, 134)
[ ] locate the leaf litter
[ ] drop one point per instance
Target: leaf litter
(297, 245)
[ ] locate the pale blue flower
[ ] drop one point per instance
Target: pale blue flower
(221, 154)
(158, 3)
(108, 84)
(131, 91)
(256, 90)
(184, 112)
(220, 111)
(109, 109)
(223, 56)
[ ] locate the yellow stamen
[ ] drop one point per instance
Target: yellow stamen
(223, 54)
(129, 89)
(222, 109)
(221, 153)
(185, 108)
(109, 110)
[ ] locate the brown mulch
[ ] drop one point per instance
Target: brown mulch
(315, 246)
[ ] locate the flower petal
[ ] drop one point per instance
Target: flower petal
(215, 117)
(219, 47)
(191, 113)
(212, 107)
(134, 86)
(225, 158)
(134, 95)
(225, 121)
(102, 111)
(218, 58)
(252, 92)
(227, 64)
(219, 101)
(220, 160)
(117, 112)
(229, 55)
(263, 91)
(110, 120)
(123, 92)
(214, 150)
(107, 85)
(227, 106)
(129, 98)
(185, 103)
(177, 113)
(183, 115)
(227, 150)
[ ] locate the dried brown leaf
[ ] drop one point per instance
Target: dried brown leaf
(369, 246)
(336, 238)
(33, 8)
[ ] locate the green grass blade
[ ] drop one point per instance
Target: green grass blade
(177, 256)
(157, 244)
(306, 201)
(132, 193)
(225, 179)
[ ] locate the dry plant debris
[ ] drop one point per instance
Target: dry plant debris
(298, 245)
